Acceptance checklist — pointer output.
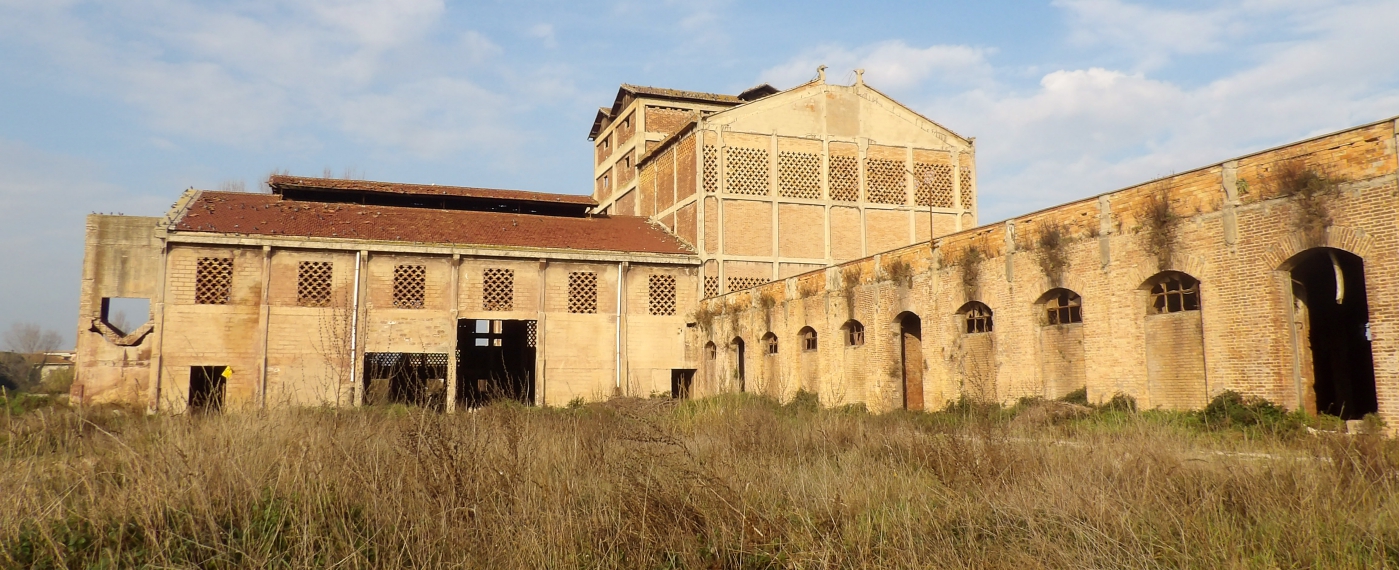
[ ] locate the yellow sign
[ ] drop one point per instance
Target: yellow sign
(228, 372)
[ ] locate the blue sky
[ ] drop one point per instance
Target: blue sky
(119, 106)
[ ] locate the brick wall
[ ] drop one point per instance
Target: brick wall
(1229, 228)
(668, 121)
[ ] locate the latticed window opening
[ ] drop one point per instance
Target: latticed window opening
(313, 283)
(966, 181)
(213, 280)
(747, 171)
(886, 181)
(1175, 293)
(409, 286)
(532, 333)
(711, 169)
(978, 319)
(808, 337)
(741, 283)
(934, 184)
(582, 292)
(770, 344)
(661, 294)
(711, 286)
(854, 333)
(845, 179)
(799, 175)
(1064, 308)
(498, 289)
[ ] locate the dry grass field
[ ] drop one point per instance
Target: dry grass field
(730, 482)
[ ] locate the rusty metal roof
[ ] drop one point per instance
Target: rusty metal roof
(241, 213)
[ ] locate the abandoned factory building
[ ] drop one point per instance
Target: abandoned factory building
(824, 238)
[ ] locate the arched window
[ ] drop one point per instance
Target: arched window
(770, 344)
(976, 317)
(808, 338)
(854, 333)
(710, 351)
(1062, 307)
(1173, 292)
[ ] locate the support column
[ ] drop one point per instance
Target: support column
(264, 315)
(454, 353)
(957, 188)
(774, 191)
(361, 309)
(541, 394)
(862, 145)
(158, 336)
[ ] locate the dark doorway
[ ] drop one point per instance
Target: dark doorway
(681, 380)
(206, 388)
(911, 354)
(411, 378)
(495, 360)
(738, 366)
(1329, 285)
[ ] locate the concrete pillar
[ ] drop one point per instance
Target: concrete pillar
(453, 351)
(263, 317)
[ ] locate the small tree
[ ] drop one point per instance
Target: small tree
(29, 344)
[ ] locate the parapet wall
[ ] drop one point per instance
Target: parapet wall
(1237, 227)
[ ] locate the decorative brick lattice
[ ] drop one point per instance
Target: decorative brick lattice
(845, 179)
(885, 181)
(409, 286)
(934, 184)
(213, 280)
(498, 289)
(313, 283)
(747, 171)
(966, 175)
(661, 294)
(711, 286)
(799, 175)
(711, 169)
(741, 283)
(532, 333)
(582, 292)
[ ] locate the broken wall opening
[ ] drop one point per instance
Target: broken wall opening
(410, 378)
(495, 360)
(740, 374)
(207, 385)
(125, 314)
(1329, 287)
(911, 355)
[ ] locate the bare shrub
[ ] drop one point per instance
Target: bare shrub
(1052, 241)
(1312, 192)
(1158, 225)
(897, 271)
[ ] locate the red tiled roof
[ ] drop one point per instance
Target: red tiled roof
(279, 181)
(263, 214)
(680, 94)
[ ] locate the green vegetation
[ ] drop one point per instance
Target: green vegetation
(727, 482)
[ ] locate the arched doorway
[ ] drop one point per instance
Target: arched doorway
(911, 354)
(1061, 357)
(1175, 342)
(1333, 323)
(738, 365)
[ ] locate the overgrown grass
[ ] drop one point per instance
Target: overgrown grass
(726, 482)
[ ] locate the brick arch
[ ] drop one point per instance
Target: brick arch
(1193, 265)
(1344, 238)
(1070, 280)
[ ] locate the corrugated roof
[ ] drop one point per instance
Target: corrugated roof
(279, 181)
(263, 214)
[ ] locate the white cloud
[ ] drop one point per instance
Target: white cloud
(545, 33)
(1083, 131)
(246, 74)
(893, 64)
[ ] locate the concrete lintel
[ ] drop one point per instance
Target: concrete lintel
(426, 249)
